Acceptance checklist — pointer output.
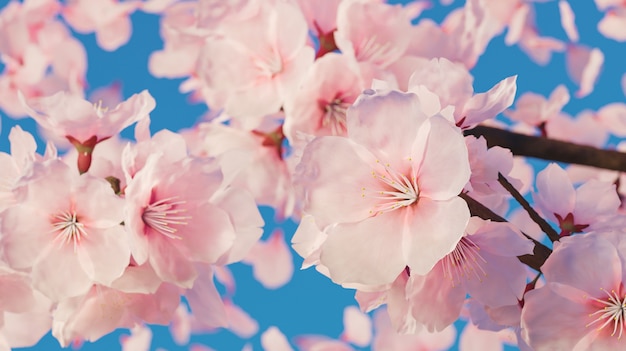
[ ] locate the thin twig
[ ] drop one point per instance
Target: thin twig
(542, 223)
(540, 251)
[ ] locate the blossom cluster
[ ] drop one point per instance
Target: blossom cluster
(356, 118)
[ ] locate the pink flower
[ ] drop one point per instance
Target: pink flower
(534, 109)
(63, 221)
(108, 18)
(69, 116)
(181, 210)
(249, 72)
(581, 307)
(319, 106)
(589, 207)
(386, 194)
(83, 318)
(451, 83)
(271, 260)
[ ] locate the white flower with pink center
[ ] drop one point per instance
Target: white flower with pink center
(386, 195)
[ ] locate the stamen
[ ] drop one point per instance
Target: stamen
(335, 116)
(163, 214)
(464, 261)
(68, 228)
(612, 309)
(401, 190)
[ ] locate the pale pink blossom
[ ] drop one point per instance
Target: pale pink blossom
(613, 117)
(567, 20)
(613, 24)
(584, 129)
(583, 66)
(249, 72)
(176, 216)
(257, 159)
(271, 260)
(83, 317)
(386, 337)
(70, 116)
(39, 54)
(473, 338)
(382, 197)
(372, 31)
(83, 215)
(588, 207)
(139, 339)
(451, 83)
(319, 106)
(534, 109)
(109, 19)
(182, 45)
(274, 340)
(582, 301)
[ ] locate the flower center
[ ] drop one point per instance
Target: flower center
(164, 215)
(335, 116)
(611, 310)
(68, 228)
(464, 262)
(400, 191)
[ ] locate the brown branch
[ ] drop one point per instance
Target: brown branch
(542, 223)
(550, 149)
(540, 252)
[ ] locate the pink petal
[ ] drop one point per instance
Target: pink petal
(366, 252)
(473, 338)
(274, 340)
(46, 278)
(386, 123)
(444, 169)
(357, 327)
(576, 264)
(139, 340)
(555, 192)
(583, 67)
(105, 254)
(613, 24)
(240, 322)
(435, 228)
(488, 105)
(169, 263)
(613, 117)
(205, 301)
(334, 184)
(595, 199)
(180, 327)
(271, 261)
(567, 20)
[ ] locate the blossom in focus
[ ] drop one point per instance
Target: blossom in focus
(386, 195)
(66, 222)
(584, 296)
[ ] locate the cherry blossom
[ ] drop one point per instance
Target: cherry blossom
(585, 208)
(581, 302)
(382, 180)
(248, 72)
(77, 227)
(271, 260)
(109, 19)
(452, 84)
(170, 210)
